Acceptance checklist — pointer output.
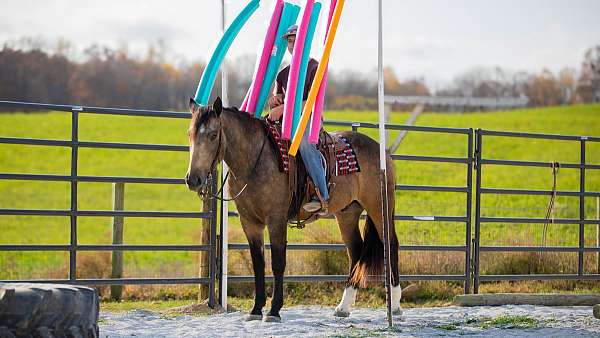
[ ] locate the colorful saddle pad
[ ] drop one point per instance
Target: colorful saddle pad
(345, 157)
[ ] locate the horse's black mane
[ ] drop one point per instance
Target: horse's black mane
(206, 113)
(245, 117)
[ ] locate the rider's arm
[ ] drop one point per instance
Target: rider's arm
(276, 112)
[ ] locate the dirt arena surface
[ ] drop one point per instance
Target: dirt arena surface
(317, 321)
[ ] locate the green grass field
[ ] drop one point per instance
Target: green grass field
(576, 120)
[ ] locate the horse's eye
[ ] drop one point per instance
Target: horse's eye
(213, 136)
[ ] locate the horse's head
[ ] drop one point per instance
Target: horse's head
(206, 145)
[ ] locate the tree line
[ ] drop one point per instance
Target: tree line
(114, 78)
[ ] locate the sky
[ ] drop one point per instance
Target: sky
(434, 40)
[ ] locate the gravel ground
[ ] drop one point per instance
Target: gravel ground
(317, 321)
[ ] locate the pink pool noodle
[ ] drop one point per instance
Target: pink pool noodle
(288, 108)
(264, 57)
(315, 122)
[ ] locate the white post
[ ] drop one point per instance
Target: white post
(225, 169)
(382, 167)
(380, 91)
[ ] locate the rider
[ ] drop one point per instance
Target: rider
(310, 155)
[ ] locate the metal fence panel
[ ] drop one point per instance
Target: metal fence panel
(582, 166)
(467, 160)
(472, 248)
(74, 211)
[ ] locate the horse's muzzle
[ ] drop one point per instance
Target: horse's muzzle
(195, 183)
(192, 182)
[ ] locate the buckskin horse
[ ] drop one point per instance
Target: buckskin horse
(262, 197)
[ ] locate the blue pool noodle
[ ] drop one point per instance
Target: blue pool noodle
(288, 17)
(210, 72)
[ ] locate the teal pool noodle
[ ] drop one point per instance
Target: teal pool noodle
(210, 72)
(288, 17)
(310, 32)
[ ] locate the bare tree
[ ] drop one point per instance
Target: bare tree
(588, 85)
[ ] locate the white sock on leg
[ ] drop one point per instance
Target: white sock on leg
(396, 295)
(348, 299)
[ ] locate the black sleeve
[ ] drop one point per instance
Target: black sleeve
(278, 86)
(310, 76)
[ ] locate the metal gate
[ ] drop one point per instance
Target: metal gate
(465, 160)
(73, 212)
(482, 162)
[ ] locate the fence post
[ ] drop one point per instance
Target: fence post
(224, 240)
(118, 194)
(469, 212)
(212, 268)
(203, 262)
(581, 208)
(476, 239)
(73, 218)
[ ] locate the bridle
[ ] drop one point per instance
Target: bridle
(205, 186)
(205, 190)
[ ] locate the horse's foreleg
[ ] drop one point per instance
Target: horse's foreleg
(278, 236)
(348, 224)
(254, 234)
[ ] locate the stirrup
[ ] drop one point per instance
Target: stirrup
(324, 203)
(312, 206)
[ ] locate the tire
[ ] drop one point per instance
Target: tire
(48, 311)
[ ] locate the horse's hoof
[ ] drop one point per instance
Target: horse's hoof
(252, 317)
(272, 319)
(341, 313)
(397, 312)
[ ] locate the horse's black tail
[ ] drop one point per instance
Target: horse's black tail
(371, 257)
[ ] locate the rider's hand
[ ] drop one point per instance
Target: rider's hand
(275, 101)
(276, 113)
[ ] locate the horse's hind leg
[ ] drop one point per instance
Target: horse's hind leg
(278, 236)
(372, 203)
(348, 220)
(254, 234)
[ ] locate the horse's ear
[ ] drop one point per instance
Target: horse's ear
(192, 105)
(218, 106)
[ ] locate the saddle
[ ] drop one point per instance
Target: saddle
(338, 158)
